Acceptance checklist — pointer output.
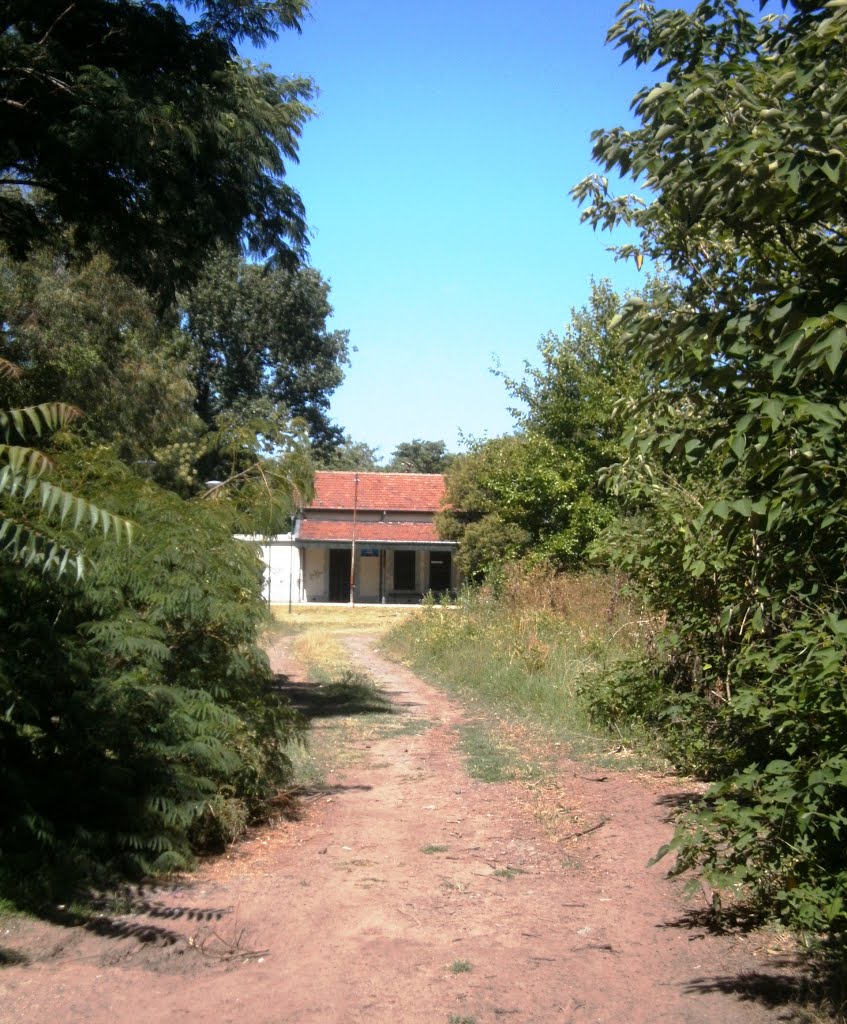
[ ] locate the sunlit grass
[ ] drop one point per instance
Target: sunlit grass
(528, 657)
(371, 619)
(489, 756)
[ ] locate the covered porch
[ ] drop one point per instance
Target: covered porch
(377, 573)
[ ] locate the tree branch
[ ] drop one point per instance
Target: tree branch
(46, 35)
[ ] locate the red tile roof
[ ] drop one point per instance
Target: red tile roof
(380, 492)
(323, 531)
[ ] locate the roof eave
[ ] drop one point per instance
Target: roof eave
(364, 542)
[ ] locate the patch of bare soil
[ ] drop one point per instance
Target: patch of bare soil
(407, 893)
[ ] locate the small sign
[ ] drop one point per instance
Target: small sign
(370, 552)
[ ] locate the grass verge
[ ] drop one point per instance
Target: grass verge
(529, 668)
(490, 757)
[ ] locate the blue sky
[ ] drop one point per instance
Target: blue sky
(436, 180)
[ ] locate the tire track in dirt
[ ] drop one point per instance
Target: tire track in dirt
(344, 917)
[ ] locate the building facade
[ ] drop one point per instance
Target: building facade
(365, 538)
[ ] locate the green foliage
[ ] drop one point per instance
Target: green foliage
(519, 494)
(139, 722)
(258, 461)
(531, 651)
(475, 485)
(785, 810)
(39, 520)
(81, 331)
(537, 492)
(349, 455)
(735, 466)
(138, 715)
(259, 333)
(144, 132)
(571, 398)
(419, 456)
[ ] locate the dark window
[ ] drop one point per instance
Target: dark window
(404, 570)
(439, 570)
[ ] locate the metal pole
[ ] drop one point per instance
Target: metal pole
(290, 563)
(353, 542)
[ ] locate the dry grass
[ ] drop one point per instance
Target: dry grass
(368, 619)
(322, 653)
(351, 712)
(595, 606)
(532, 649)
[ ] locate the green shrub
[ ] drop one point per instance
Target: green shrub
(139, 716)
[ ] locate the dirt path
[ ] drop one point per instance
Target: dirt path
(409, 894)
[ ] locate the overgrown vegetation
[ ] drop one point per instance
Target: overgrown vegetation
(536, 493)
(711, 408)
(140, 724)
(139, 126)
(734, 473)
(164, 386)
(531, 649)
(690, 437)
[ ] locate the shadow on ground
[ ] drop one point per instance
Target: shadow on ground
(106, 916)
(677, 802)
(817, 981)
(759, 987)
(12, 957)
(118, 915)
(815, 993)
(352, 694)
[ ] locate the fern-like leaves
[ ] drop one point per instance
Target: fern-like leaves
(35, 514)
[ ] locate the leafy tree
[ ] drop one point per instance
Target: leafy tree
(537, 493)
(571, 398)
(350, 455)
(259, 333)
(144, 131)
(419, 456)
(736, 457)
(39, 518)
(136, 132)
(79, 329)
(508, 496)
(261, 463)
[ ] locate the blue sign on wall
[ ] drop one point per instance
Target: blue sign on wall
(370, 552)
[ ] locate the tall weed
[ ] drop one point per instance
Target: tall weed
(536, 645)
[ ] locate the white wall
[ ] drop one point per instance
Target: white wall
(283, 573)
(316, 574)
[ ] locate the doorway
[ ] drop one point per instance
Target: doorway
(340, 561)
(440, 574)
